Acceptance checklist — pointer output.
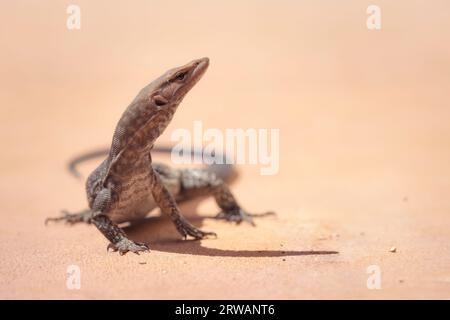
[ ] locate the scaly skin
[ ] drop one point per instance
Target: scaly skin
(126, 186)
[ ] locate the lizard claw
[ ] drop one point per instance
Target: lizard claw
(238, 215)
(72, 218)
(112, 247)
(187, 229)
(125, 245)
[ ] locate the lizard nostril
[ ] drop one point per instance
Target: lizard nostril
(160, 100)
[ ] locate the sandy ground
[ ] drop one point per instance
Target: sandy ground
(364, 146)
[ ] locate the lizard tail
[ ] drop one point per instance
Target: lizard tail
(226, 171)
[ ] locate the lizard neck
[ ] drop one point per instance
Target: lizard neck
(138, 129)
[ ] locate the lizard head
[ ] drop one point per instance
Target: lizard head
(171, 87)
(151, 111)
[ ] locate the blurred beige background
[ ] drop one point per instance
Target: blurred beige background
(364, 145)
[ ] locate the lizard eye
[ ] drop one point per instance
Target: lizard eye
(181, 76)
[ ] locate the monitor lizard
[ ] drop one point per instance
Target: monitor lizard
(127, 185)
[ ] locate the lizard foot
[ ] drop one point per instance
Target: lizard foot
(238, 215)
(72, 218)
(187, 229)
(125, 245)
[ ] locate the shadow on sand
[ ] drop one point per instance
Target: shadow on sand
(160, 234)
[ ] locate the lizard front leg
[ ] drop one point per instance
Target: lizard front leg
(117, 237)
(167, 204)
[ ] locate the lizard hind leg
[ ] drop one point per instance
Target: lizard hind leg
(84, 216)
(202, 182)
(168, 205)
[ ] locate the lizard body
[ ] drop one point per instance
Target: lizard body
(126, 186)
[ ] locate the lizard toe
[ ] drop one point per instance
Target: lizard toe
(72, 218)
(238, 215)
(126, 245)
(185, 229)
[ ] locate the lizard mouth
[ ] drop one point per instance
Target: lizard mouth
(200, 67)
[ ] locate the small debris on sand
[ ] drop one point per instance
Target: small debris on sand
(393, 249)
(329, 237)
(142, 262)
(401, 281)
